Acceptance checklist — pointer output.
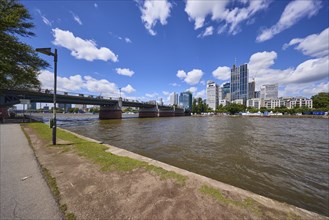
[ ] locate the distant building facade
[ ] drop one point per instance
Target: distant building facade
(212, 94)
(269, 91)
(251, 89)
(290, 102)
(254, 102)
(185, 100)
(227, 90)
(173, 99)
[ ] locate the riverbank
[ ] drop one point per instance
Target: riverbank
(120, 184)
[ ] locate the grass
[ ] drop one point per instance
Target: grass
(51, 182)
(248, 203)
(97, 153)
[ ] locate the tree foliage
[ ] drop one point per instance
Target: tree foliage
(19, 63)
(321, 100)
(199, 106)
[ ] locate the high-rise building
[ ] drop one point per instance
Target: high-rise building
(173, 99)
(251, 89)
(226, 90)
(220, 93)
(269, 91)
(185, 100)
(239, 82)
(212, 94)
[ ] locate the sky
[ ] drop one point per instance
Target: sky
(149, 49)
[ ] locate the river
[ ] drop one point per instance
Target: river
(286, 159)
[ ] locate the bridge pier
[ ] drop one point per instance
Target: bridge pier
(148, 112)
(110, 112)
(166, 112)
(179, 112)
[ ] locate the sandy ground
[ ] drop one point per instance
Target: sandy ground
(93, 194)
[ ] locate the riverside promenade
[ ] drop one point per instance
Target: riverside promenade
(24, 194)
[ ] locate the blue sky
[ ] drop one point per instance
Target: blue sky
(150, 49)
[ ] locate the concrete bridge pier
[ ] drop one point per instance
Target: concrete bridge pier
(110, 112)
(166, 112)
(148, 112)
(179, 112)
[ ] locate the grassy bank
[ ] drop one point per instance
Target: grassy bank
(96, 152)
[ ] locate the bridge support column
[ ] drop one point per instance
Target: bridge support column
(110, 112)
(148, 112)
(166, 112)
(179, 112)
(3, 113)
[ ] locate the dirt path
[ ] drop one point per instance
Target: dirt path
(90, 193)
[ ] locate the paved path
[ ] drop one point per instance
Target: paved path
(23, 199)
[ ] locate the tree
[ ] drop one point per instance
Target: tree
(321, 100)
(234, 108)
(19, 63)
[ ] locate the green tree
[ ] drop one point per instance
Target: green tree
(234, 108)
(194, 106)
(321, 100)
(19, 63)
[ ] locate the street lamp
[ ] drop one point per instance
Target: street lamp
(48, 52)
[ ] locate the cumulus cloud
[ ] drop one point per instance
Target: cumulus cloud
(230, 18)
(209, 31)
(152, 95)
(153, 12)
(193, 77)
(174, 84)
(292, 14)
(314, 45)
(76, 18)
(192, 89)
(76, 83)
(222, 73)
(201, 94)
(128, 40)
(166, 93)
(80, 48)
(124, 71)
(128, 89)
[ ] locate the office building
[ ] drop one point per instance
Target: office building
(251, 89)
(185, 100)
(226, 90)
(254, 102)
(269, 91)
(239, 82)
(212, 94)
(65, 107)
(257, 94)
(173, 99)
(220, 93)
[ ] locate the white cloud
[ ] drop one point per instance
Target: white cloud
(44, 19)
(293, 13)
(193, 77)
(174, 84)
(222, 73)
(77, 83)
(128, 89)
(80, 48)
(231, 18)
(152, 95)
(202, 82)
(128, 40)
(154, 11)
(76, 18)
(201, 94)
(124, 71)
(166, 93)
(192, 89)
(315, 45)
(95, 5)
(209, 31)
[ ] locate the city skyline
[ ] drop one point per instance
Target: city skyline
(107, 46)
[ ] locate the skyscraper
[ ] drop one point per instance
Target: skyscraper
(226, 90)
(173, 99)
(269, 91)
(251, 89)
(239, 82)
(185, 100)
(212, 94)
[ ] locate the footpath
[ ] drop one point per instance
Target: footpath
(24, 194)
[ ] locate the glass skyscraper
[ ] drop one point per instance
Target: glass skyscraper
(185, 100)
(239, 82)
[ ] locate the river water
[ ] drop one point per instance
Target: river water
(286, 159)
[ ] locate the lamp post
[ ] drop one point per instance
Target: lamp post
(48, 52)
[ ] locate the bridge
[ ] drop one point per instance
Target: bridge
(110, 108)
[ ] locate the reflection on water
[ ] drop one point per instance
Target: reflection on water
(282, 158)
